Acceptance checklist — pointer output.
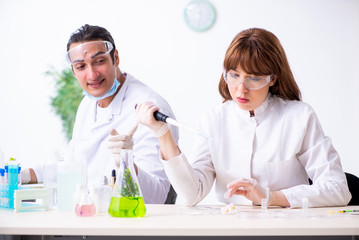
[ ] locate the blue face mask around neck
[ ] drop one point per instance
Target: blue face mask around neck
(112, 91)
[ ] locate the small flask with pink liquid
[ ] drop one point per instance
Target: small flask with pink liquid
(84, 206)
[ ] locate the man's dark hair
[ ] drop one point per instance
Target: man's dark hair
(90, 33)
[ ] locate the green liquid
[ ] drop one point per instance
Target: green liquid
(127, 207)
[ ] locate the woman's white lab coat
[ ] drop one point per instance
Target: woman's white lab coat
(281, 147)
(121, 116)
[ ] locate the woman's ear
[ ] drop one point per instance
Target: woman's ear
(273, 80)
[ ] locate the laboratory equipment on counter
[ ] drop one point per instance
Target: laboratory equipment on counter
(32, 197)
(19, 176)
(85, 207)
(50, 175)
(68, 175)
(10, 184)
(78, 193)
(113, 178)
(127, 200)
(104, 192)
(164, 118)
(83, 204)
(20, 198)
(2, 176)
(101, 195)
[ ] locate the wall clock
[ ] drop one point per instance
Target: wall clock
(200, 15)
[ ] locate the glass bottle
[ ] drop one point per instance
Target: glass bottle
(127, 200)
(50, 175)
(101, 195)
(113, 178)
(68, 175)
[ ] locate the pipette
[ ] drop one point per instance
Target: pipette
(164, 118)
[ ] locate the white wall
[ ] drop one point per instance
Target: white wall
(321, 39)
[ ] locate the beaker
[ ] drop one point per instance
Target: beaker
(127, 200)
(50, 175)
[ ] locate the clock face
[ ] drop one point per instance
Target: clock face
(200, 15)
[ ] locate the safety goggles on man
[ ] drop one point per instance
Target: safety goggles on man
(252, 82)
(92, 50)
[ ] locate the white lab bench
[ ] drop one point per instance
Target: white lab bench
(177, 222)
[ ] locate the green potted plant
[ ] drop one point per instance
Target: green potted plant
(67, 99)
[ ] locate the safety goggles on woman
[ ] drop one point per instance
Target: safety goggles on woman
(252, 82)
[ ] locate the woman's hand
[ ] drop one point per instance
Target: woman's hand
(250, 189)
(144, 114)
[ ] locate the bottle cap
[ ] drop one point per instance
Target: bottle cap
(79, 186)
(12, 161)
(104, 180)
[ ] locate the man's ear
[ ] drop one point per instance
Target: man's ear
(73, 73)
(117, 59)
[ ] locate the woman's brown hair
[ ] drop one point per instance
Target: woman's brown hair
(259, 52)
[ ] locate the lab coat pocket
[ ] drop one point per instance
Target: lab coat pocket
(283, 174)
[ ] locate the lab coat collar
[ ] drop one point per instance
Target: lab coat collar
(115, 105)
(118, 99)
(259, 112)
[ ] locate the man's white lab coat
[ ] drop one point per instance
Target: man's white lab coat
(120, 114)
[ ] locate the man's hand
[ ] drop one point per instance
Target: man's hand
(119, 142)
(28, 176)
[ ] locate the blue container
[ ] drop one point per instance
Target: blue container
(7, 190)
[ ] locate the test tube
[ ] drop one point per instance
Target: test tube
(6, 174)
(264, 204)
(19, 176)
(305, 205)
(2, 187)
(264, 201)
(2, 176)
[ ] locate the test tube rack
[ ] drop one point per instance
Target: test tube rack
(21, 198)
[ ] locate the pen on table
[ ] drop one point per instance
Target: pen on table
(343, 211)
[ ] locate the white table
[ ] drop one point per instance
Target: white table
(177, 220)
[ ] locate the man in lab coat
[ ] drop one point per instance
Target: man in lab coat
(109, 103)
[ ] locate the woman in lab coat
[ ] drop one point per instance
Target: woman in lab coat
(266, 142)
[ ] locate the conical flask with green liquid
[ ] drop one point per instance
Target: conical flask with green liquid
(127, 200)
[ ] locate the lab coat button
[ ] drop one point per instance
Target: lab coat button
(110, 119)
